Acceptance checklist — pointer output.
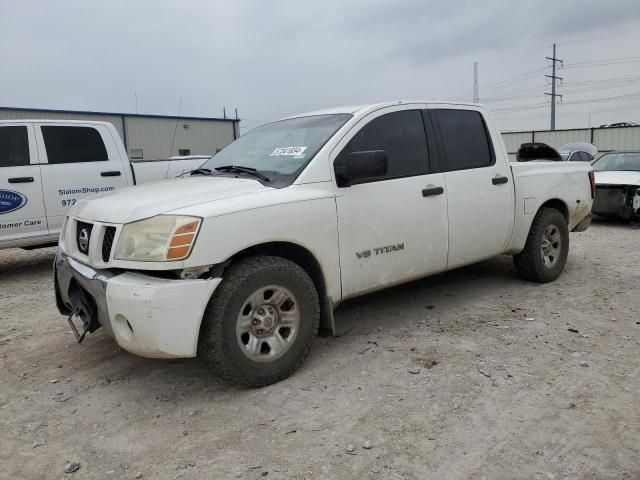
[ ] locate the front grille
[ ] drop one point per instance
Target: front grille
(83, 236)
(107, 243)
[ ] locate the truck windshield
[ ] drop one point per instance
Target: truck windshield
(618, 161)
(281, 147)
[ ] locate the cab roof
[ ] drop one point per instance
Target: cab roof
(366, 108)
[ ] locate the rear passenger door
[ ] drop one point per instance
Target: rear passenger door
(77, 161)
(480, 190)
(22, 213)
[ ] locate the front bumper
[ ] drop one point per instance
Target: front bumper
(147, 316)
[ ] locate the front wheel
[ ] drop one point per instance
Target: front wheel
(259, 324)
(545, 252)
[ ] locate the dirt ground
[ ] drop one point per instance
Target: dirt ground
(473, 374)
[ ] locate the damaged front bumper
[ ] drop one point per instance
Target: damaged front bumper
(617, 200)
(146, 315)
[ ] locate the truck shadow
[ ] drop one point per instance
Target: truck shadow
(446, 290)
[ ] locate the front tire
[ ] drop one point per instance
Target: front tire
(259, 324)
(545, 252)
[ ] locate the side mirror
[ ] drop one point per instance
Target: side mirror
(356, 166)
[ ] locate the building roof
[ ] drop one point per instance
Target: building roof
(137, 115)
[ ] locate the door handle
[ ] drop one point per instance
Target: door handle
(499, 180)
(114, 173)
(21, 180)
(429, 192)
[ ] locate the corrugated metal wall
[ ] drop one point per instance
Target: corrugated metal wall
(154, 136)
(622, 138)
(513, 140)
(47, 115)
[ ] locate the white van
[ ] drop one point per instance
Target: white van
(46, 166)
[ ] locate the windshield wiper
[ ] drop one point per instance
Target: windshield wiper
(239, 169)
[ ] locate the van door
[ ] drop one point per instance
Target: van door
(479, 185)
(77, 161)
(22, 212)
(392, 228)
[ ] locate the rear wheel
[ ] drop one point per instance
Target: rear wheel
(259, 324)
(545, 253)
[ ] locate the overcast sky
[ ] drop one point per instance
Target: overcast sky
(270, 59)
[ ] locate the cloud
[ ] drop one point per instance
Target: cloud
(275, 58)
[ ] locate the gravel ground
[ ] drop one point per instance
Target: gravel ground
(473, 374)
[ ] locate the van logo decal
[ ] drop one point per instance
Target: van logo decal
(11, 201)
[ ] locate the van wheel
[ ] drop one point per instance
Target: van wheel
(260, 321)
(547, 247)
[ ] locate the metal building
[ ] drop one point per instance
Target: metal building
(149, 137)
(606, 139)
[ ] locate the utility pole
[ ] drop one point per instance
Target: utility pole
(554, 78)
(476, 99)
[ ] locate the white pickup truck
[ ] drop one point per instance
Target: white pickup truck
(244, 259)
(46, 166)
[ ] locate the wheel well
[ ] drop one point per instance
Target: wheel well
(558, 205)
(291, 251)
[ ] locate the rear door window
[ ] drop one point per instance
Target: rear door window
(73, 144)
(465, 139)
(14, 146)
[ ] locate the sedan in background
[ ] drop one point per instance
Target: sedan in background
(617, 176)
(578, 152)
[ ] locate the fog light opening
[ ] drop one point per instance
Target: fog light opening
(122, 326)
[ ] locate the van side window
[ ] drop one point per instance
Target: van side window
(14, 146)
(401, 135)
(465, 139)
(73, 144)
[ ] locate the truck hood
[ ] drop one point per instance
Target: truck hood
(143, 201)
(617, 178)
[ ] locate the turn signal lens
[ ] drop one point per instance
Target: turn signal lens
(158, 239)
(182, 241)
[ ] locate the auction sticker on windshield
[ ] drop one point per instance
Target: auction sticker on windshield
(288, 151)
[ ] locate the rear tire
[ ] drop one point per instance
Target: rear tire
(545, 252)
(260, 321)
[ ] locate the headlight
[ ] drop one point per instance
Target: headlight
(158, 239)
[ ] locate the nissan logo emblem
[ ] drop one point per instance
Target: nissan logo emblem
(83, 240)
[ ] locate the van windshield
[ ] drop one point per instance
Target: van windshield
(282, 147)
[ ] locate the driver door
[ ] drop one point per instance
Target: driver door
(392, 228)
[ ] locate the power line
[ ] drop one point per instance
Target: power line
(603, 63)
(492, 86)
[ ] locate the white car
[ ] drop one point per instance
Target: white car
(241, 261)
(46, 166)
(617, 176)
(578, 152)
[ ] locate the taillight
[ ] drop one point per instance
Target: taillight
(592, 182)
